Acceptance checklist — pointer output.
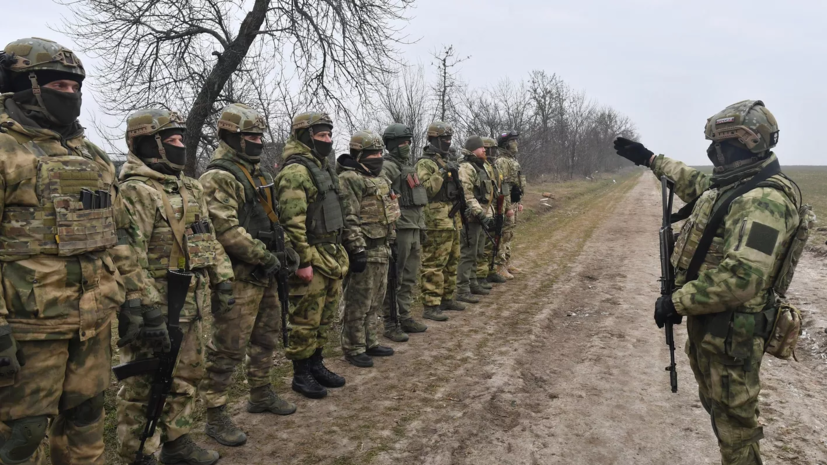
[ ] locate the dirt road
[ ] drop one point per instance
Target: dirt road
(560, 366)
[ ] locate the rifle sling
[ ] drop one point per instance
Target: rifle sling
(266, 202)
(720, 212)
(177, 255)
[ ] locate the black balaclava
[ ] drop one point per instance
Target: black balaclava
(247, 150)
(320, 150)
(171, 162)
(441, 144)
(726, 153)
(373, 165)
(60, 110)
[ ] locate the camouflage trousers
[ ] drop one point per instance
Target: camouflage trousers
(58, 376)
(251, 328)
(472, 245)
(728, 390)
(440, 259)
(509, 225)
(313, 306)
(177, 417)
(484, 259)
(364, 294)
(407, 270)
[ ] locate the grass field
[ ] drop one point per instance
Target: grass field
(813, 183)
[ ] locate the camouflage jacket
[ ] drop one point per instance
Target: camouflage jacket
(45, 295)
(295, 191)
(746, 253)
(473, 183)
(431, 174)
(151, 239)
(370, 214)
(509, 170)
(412, 217)
(225, 196)
(494, 174)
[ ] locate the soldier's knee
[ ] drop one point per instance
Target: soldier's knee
(26, 435)
(88, 412)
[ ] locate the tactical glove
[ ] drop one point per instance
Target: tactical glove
(423, 236)
(359, 261)
(222, 300)
(290, 260)
(269, 268)
(487, 222)
(633, 151)
(665, 312)
(11, 357)
(155, 333)
(130, 322)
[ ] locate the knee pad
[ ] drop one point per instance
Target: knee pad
(88, 412)
(26, 435)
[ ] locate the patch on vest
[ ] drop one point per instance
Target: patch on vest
(762, 238)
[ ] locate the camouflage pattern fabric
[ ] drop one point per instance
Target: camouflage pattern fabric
(313, 307)
(368, 214)
(251, 328)
(60, 374)
(732, 286)
(509, 169)
(472, 181)
(133, 395)
(484, 259)
(472, 245)
(364, 293)
(409, 256)
(412, 217)
(432, 175)
(440, 261)
(295, 190)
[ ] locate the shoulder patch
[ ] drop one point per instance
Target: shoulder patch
(762, 238)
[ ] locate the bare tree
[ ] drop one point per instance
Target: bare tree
(447, 83)
(185, 53)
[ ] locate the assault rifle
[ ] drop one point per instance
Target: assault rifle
(499, 218)
(275, 242)
(393, 283)
(667, 272)
(163, 364)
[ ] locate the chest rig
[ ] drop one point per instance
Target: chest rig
(377, 210)
(448, 193)
(325, 217)
(412, 193)
(252, 214)
(484, 186)
(74, 213)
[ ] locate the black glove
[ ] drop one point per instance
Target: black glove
(290, 260)
(130, 322)
(665, 312)
(633, 151)
(359, 261)
(222, 300)
(487, 222)
(269, 268)
(516, 194)
(11, 357)
(423, 236)
(155, 332)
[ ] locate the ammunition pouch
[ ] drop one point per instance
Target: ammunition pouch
(325, 214)
(412, 193)
(202, 246)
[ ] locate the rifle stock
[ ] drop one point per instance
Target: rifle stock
(667, 272)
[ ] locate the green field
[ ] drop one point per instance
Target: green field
(813, 183)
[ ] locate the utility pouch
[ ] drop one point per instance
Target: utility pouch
(806, 221)
(80, 230)
(786, 330)
(201, 245)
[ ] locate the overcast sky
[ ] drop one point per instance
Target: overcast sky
(667, 64)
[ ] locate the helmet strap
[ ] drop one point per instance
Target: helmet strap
(161, 148)
(36, 91)
(720, 154)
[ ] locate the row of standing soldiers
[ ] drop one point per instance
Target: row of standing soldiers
(79, 247)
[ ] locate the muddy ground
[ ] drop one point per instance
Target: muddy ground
(562, 365)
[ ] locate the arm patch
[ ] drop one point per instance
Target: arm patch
(762, 238)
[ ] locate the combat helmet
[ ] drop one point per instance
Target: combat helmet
(440, 129)
(36, 54)
(397, 131)
(504, 137)
(490, 147)
(152, 122)
(748, 122)
(365, 141)
(309, 120)
(239, 118)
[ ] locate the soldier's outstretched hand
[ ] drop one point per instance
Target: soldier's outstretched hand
(633, 151)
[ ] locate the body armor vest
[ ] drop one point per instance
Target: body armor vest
(61, 225)
(200, 247)
(484, 188)
(325, 217)
(448, 193)
(251, 214)
(412, 193)
(377, 210)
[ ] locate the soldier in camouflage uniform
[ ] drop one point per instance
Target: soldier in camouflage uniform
(485, 274)
(169, 227)
(727, 304)
(440, 251)
(479, 193)
(312, 212)
(410, 230)
(370, 215)
(513, 184)
(61, 287)
(241, 205)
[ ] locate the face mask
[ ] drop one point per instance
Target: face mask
(404, 151)
(321, 150)
(728, 154)
(374, 165)
(176, 155)
(512, 146)
(444, 144)
(63, 107)
(172, 163)
(245, 149)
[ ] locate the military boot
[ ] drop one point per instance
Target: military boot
(497, 277)
(184, 450)
(434, 313)
(221, 428)
(451, 304)
(396, 334)
(263, 399)
(483, 283)
(468, 297)
(476, 289)
(503, 271)
(303, 381)
(513, 269)
(362, 360)
(412, 326)
(324, 376)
